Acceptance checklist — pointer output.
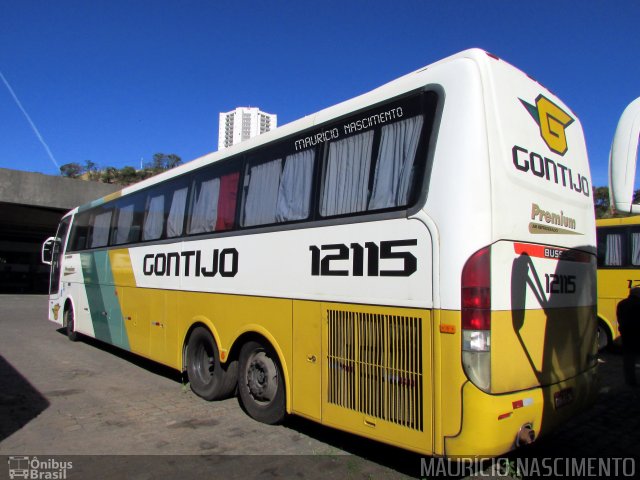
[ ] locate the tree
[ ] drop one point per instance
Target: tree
(124, 176)
(601, 202)
(127, 176)
(71, 170)
(163, 161)
(109, 175)
(91, 169)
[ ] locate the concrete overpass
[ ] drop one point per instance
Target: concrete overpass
(31, 205)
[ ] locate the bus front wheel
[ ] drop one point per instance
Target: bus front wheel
(208, 378)
(261, 383)
(70, 324)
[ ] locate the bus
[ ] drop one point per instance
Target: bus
(618, 271)
(416, 265)
(619, 238)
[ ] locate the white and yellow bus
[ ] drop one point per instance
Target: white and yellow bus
(618, 270)
(619, 238)
(416, 265)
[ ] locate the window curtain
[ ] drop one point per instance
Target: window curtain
(205, 207)
(262, 193)
(294, 193)
(635, 248)
(394, 168)
(227, 201)
(100, 235)
(125, 220)
(613, 254)
(347, 176)
(175, 221)
(152, 228)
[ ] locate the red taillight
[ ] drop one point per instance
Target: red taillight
(476, 291)
(476, 319)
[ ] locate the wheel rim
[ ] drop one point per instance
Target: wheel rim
(602, 338)
(262, 377)
(204, 363)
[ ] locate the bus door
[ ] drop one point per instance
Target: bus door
(52, 254)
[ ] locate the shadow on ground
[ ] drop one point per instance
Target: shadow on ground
(611, 428)
(150, 366)
(20, 402)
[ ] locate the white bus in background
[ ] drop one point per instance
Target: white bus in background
(415, 265)
(619, 238)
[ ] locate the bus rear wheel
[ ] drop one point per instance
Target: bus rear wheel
(603, 337)
(261, 383)
(208, 378)
(70, 325)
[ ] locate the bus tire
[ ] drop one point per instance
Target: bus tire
(208, 378)
(261, 383)
(603, 337)
(70, 325)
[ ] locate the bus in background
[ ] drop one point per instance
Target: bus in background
(618, 271)
(619, 238)
(416, 265)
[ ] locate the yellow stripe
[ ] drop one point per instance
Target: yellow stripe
(112, 196)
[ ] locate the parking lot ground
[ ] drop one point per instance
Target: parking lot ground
(115, 415)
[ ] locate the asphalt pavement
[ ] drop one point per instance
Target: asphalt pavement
(103, 413)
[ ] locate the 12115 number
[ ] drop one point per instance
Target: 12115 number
(370, 255)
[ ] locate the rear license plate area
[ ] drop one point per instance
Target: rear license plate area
(563, 398)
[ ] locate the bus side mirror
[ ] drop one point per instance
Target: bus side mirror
(47, 250)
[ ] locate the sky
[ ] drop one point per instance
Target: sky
(116, 81)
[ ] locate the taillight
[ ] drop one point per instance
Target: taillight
(476, 291)
(476, 318)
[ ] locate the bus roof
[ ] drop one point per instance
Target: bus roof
(611, 222)
(411, 81)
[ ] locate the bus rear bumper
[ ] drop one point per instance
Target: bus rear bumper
(491, 423)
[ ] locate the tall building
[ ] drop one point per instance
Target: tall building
(243, 123)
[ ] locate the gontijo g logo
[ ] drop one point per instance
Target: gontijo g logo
(552, 121)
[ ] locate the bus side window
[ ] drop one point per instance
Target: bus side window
(153, 216)
(79, 232)
(395, 164)
(278, 190)
(346, 180)
(634, 247)
(612, 246)
(213, 203)
(129, 214)
(100, 224)
(175, 217)
(122, 230)
(348, 187)
(262, 193)
(294, 192)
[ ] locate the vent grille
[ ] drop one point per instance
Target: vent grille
(375, 366)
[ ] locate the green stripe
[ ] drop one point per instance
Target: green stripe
(104, 306)
(92, 204)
